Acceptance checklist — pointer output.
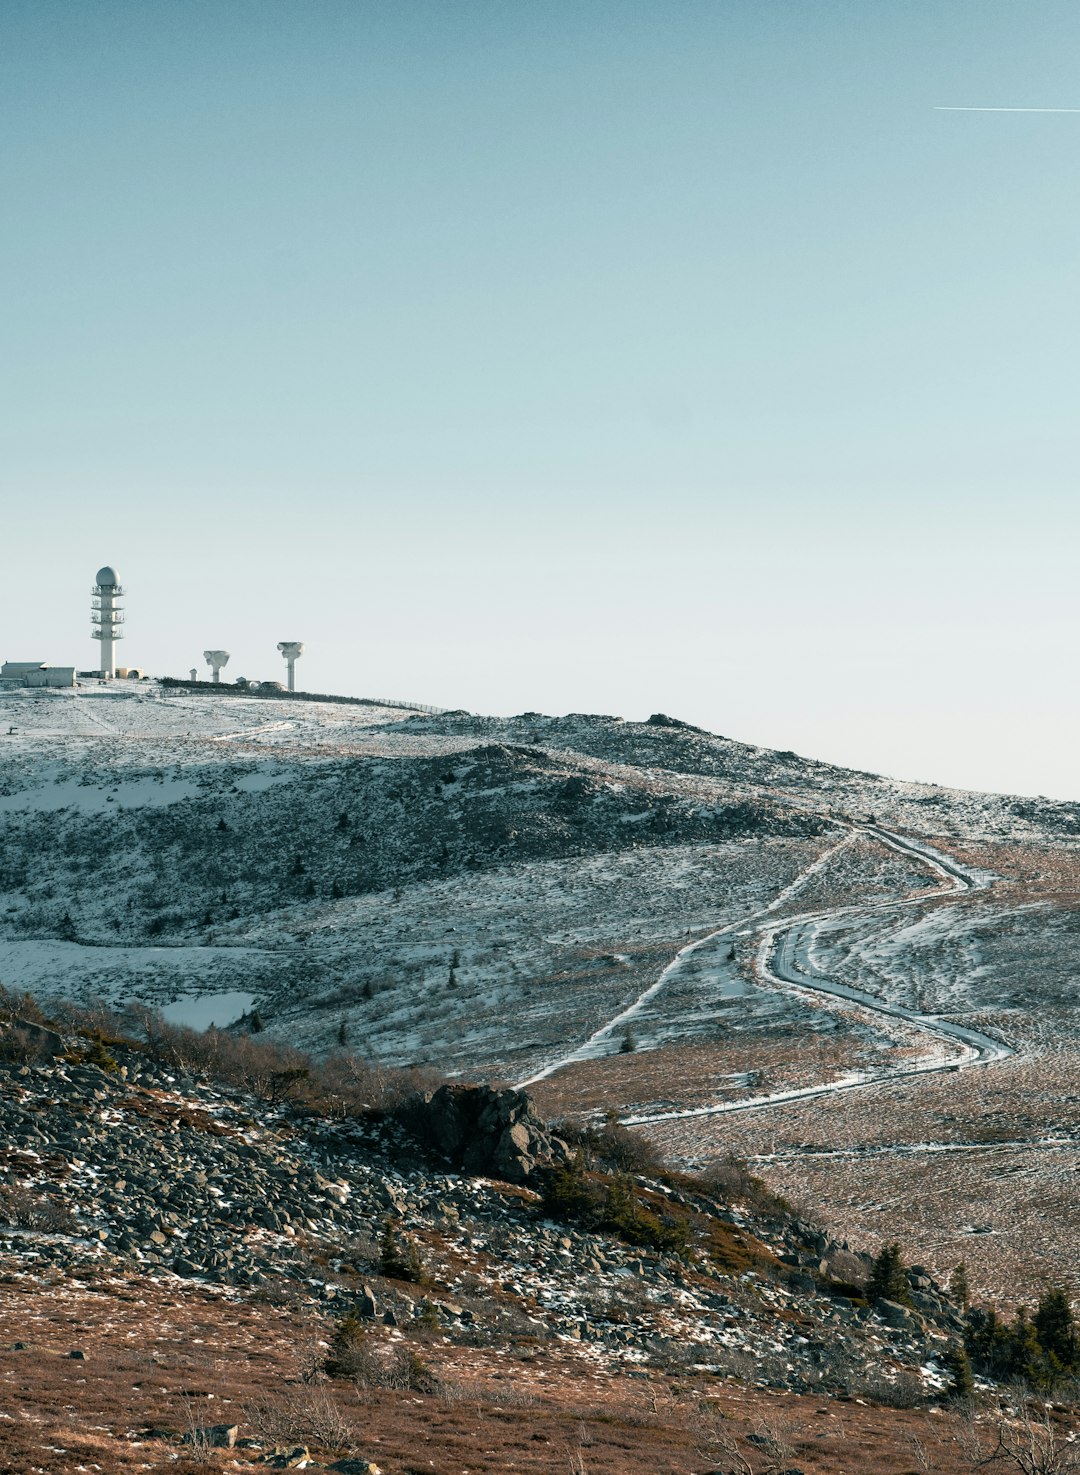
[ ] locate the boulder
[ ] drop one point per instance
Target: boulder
(893, 1314)
(286, 1457)
(486, 1132)
(213, 1436)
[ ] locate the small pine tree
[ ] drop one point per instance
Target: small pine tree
(888, 1280)
(959, 1289)
(343, 1033)
(343, 821)
(1025, 1360)
(567, 1194)
(346, 1355)
(1056, 1330)
(255, 1023)
(629, 1044)
(958, 1365)
(336, 891)
(989, 1344)
(399, 1259)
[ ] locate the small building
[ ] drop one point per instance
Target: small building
(35, 673)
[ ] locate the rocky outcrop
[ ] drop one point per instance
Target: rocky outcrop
(482, 1131)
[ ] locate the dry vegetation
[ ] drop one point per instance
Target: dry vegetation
(160, 1359)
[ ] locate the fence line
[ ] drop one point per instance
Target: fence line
(230, 688)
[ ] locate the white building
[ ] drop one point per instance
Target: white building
(35, 673)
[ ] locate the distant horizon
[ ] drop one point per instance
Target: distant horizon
(304, 693)
(606, 354)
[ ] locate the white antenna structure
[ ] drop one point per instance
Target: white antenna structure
(106, 616)
(292, 650)
(215, 659)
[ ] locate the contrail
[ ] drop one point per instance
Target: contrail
(1005, 110)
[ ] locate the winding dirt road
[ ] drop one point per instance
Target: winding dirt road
(784, 962)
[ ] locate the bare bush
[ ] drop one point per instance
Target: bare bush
(1031, 1442)
(767, 1450)
(302, 1415)
(904, 1390)
(733, 1183)
(14, 1006)
(25, 1208)
(200, 1449)
(20, 1046)
(456, 1394)
(370, 1362)
(613, 1146)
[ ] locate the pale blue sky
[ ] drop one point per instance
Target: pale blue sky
(604, 356)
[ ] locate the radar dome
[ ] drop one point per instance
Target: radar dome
(107, 575)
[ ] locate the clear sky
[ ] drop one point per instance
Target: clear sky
(562, 355)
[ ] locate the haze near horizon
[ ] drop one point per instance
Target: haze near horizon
(611, 357)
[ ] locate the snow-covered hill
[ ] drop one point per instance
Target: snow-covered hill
(480, 893)
(516, 898)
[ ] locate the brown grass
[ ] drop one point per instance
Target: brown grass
(169, 1356)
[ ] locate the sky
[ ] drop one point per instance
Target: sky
(560, 355)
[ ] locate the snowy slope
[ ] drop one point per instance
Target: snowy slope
(472, 892)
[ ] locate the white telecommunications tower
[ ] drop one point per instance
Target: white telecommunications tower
(106, 616)
(292, 650)
(215, 659)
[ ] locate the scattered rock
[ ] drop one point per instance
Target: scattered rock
(213, 1436)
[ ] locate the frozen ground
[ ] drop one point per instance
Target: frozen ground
(638, 917)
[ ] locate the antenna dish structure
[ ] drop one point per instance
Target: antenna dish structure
(292, 650)
(215, 659)
(106, 616)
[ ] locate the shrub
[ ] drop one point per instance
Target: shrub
(25, 1208)
(348, 1348)
(888, 1279)
(732, 1182)
(959, 1289)
(1056, 1330)
(95, 1052)
(958, 1365)
(610, 1203)
(612, 1145)
(399, 1259)
(359, 1355)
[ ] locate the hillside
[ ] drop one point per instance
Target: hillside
(314, 1282)
(864, 986)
